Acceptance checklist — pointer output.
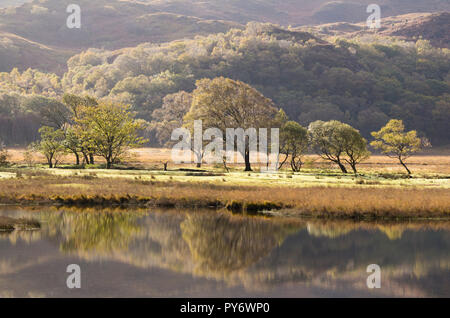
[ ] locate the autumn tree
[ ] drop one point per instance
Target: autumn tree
(111, 130)
(51, 112)
(393, 141)
(227, 104)
(73, 143)
(51, 145)
(327, 141)
(78, 143)
(293, 144)
(355, 147)
(170, 116)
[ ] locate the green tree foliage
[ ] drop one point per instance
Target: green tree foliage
(393, 141)
(51, 112)
(356, 82)
(78, 142)
(338, 142)
(355, 147)
(110, 129)
(293, 144)
(224, 103)
(51, 145)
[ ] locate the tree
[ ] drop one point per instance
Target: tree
(327, 140)
(111, 130)
(51, 112)
(224, 103)
(170, 116)
(393, 141)
(74, 142)
(73, 102)
(355, 147)
(51, 145)
(293, 144)
(3, 154)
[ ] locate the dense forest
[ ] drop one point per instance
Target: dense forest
(362, 84)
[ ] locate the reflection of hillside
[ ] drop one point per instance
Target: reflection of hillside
(256, 252)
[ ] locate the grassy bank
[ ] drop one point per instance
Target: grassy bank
(300, 194)
(10, 224)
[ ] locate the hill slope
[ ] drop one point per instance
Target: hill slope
(105, 24)
(294, 12)
(433, 27)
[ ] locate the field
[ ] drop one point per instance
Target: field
(381, 190)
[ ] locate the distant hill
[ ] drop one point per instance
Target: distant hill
(293, 12)
(12, 3)
(34, 33)
(433, 27)
(363, 82)
(17, 51)
(38, 30)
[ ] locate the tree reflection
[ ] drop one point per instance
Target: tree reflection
(228, 243)
(255, 252)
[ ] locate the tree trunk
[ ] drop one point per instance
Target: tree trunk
(296, 165)
(354, 168)
(343, 168)
(198, 165)
(77, 158)
(108, 164)
(248, 166)
(91, 159)
(404, 165)
(282, 163)
(86, 158)
(165, 166)
(224, 160)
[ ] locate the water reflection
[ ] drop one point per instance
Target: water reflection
(177, 253)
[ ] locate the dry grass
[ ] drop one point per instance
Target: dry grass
(368, 202)
(151, 157)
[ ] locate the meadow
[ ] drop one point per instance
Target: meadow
(380, 190)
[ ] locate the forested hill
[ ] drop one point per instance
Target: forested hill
(33, 33)
(363, 83)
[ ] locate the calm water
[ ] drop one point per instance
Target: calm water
(207, 254)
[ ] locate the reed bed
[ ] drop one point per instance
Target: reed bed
(320, 201)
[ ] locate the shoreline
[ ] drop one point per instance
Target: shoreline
(266, 209)
(326, 196)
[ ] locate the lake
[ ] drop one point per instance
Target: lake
(155, 253)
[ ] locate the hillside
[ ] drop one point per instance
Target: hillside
(410, 27)
(363, 83)
(37, 30)
(294, 12)
(16, 51)
(12, 3)
(40, 26)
